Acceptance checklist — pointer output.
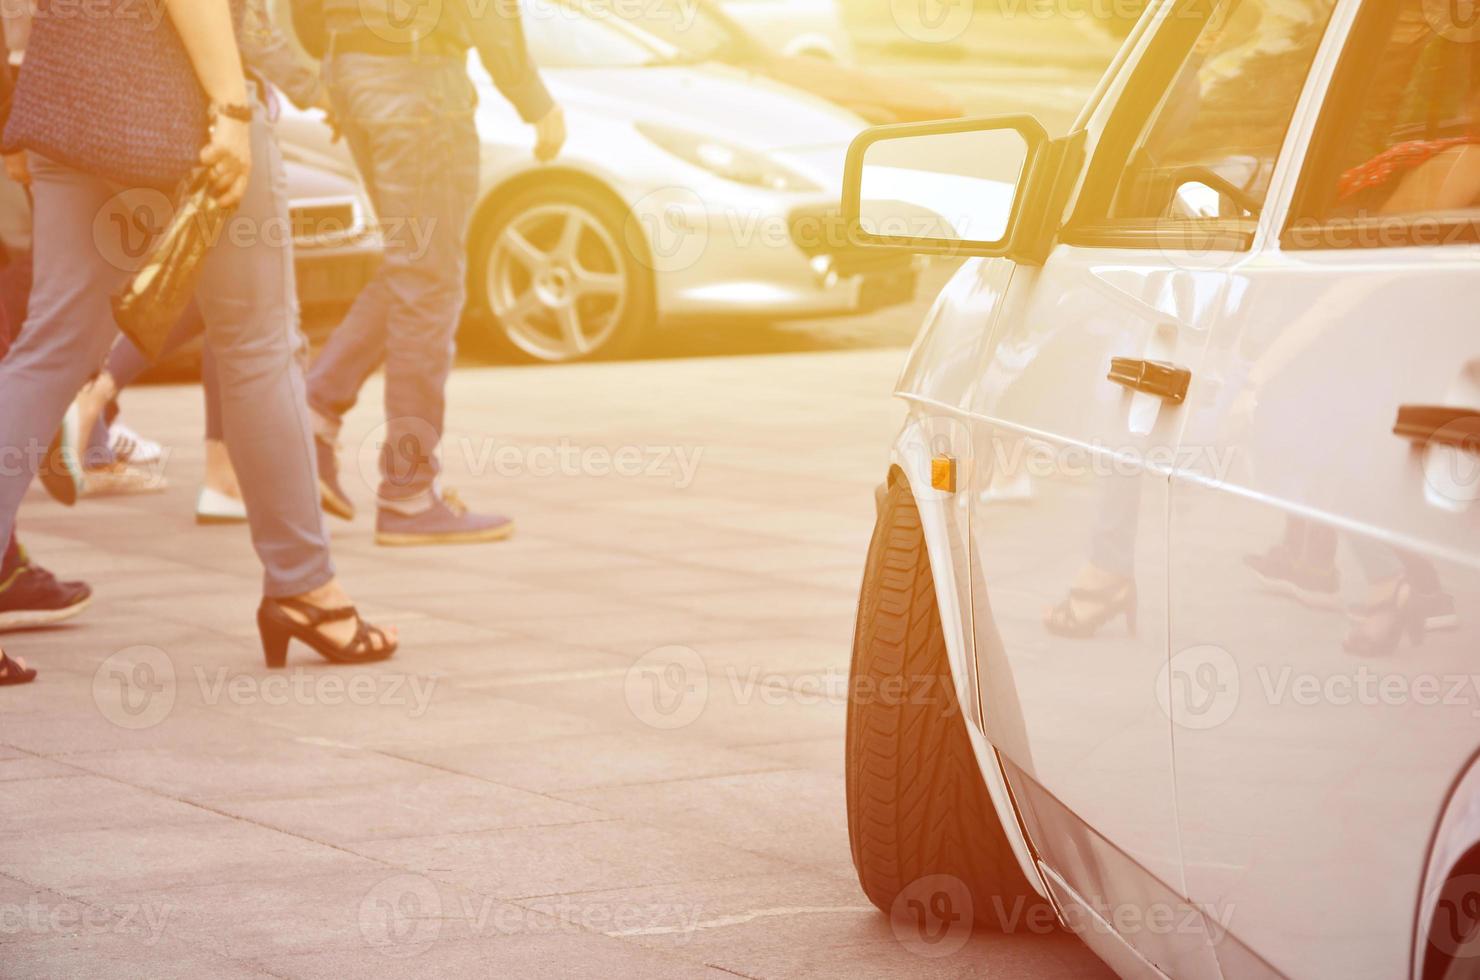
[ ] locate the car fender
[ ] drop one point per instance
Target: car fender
(1455, 835)
(939, 381)
(942, 521)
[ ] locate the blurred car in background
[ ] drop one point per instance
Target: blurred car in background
(706, 30)
(798, 28)
(336, 245)
(685, 191)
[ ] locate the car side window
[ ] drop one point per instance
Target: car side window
(1195, 144)
(1397, 154)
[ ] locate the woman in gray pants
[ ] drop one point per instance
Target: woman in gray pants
(245, 293)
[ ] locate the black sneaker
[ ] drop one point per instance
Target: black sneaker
(1318, 587)
(31, 596)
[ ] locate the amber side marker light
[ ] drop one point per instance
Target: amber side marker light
(943, 473)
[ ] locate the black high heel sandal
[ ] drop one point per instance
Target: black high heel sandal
(1113, 600)
(13, 673)
(278, 628)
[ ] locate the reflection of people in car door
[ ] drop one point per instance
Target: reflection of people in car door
(1405, 596)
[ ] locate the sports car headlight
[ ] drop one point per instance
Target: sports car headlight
(726, 159)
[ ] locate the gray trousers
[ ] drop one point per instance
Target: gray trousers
(88, 234)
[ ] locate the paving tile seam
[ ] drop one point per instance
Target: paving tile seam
(641, 784)
(231, 816)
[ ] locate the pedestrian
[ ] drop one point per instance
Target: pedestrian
(30, 595)
(95, 453)
(403, 100)
(107, 105)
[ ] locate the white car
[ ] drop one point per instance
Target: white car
(795, 27)
(685, 191)
(1170, 628)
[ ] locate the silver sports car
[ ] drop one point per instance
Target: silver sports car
(685, 190)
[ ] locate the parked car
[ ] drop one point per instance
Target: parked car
(336, 241)
(1168, 632)
(797, 28)
(704, 30)
(685, 191)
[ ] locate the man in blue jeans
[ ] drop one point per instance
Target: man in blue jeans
(403, 100)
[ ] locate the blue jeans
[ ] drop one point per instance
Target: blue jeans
(410, 126)
(246, 295)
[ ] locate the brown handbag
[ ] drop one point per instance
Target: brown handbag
(151, 303)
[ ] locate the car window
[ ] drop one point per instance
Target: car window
(1207, 150)
(560, 36)
(689, 26)
(1402, 132)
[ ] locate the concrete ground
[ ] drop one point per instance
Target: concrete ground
(611, 747)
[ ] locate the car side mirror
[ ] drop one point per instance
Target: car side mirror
(959, 187)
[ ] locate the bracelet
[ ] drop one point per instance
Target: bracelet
(241, 112)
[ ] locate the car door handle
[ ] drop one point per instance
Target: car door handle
(1441, 425)
(1158, 378)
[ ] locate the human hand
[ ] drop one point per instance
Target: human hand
(549, 135)
(228, 159)
(18, 168)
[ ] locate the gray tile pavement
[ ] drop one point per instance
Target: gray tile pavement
(515, 794)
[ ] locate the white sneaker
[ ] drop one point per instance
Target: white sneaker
(130, 447)
(121, 480)
(215, 507)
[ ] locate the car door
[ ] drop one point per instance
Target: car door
(1325, 585)
(1078, 416)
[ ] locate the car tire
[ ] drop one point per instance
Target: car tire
(1449, 953)
(917, 804)
(496, 274)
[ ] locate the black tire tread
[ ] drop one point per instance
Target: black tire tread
(917, 804)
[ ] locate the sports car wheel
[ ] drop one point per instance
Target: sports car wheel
(917, 805)
(556, 280)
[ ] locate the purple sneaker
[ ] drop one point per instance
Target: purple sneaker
(331, 495)
(447, 522)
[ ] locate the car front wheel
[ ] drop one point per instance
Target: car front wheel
(918, 808)
(554, 279)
